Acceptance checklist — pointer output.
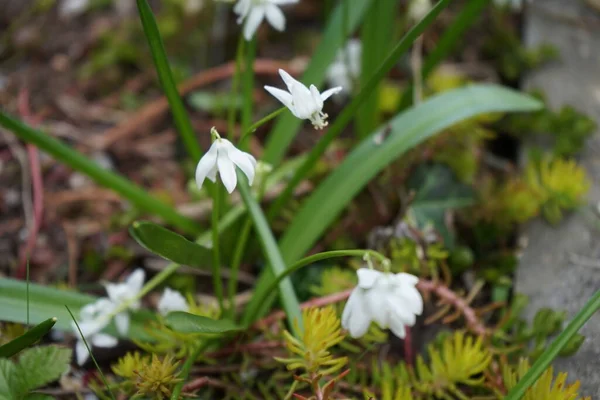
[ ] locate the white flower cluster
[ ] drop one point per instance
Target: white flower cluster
(390, 300)
(94, 317)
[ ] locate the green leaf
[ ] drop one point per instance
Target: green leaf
(27, 339)
(546, 358)
(41, 365)
(8, 375)
(170, 245)
(437, 190)
(38, 396)
(377, 151)
(572, 346)
(180, 115)
(190, 323)
(45, 301)
(333, 38)
(65, 154)
(277, 265)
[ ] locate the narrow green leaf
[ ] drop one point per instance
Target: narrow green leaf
(546, 358)
(190, 323)
(65, 154)
(180, 115)
(45, 301)
(451, 37)
(371, 156)
(287, 294)
(27, 339)
(375, 152)
(170, 245)
(333, 38)
(377, 34)
(41, 365)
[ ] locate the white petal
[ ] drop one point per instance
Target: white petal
(275, 17)
(328, 93)
(355, 316)
(397, 328)
(284, 97)
(114, 291)
(212, 174)
(122, 323)
(367, 277)
(400, 311)
(253, 21)
(377, 306)
(135, 281)
(81, 352)
(304, 104)
(406, 279)
(282, 2)
(288, 80)
(206, 164)
(316, 96)
(241, 159)
(104, 340)
(227, 172)
(172, 300)
(411, 298)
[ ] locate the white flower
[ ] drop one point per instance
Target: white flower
(126, 292)
(73, 8)
(254, 11)
(346, 68)
(391, 300)
(172, 300)
(303, 102)
(94, 318)
(418, 9)
(223, 156)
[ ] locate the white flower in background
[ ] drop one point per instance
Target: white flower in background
(93, 318)
(73, 8)
(515, 5)
(222, 157)
(172, 300)
(126, 292)
(252, 13)
(391, 300)
(303, 102)
(418, 9)
(345, 70)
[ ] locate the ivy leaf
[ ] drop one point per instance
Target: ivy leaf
(170, 245)
(436, 191)
(8, 374)
(189, 323)
(41, 365)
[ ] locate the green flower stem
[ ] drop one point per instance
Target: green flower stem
(187, 368)
(350, 111)
(65, 154)
(217, 283)
(287, 294)
(102, 377)
(312, 259)
(544, 361)
(236, 262)
(260, 122)
(180, 115)
(234, 86)
(247, 89)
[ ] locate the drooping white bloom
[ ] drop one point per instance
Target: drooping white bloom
(346, 68)
(303, 102)
(418, 9)
(391, 300)
(126, 292)
(223, 157)
(252, 13)
(172, 300)
(93, 318)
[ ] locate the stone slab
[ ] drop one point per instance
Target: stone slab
(560, 268)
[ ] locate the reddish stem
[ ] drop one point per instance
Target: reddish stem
(37, 184)
(408, 352)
